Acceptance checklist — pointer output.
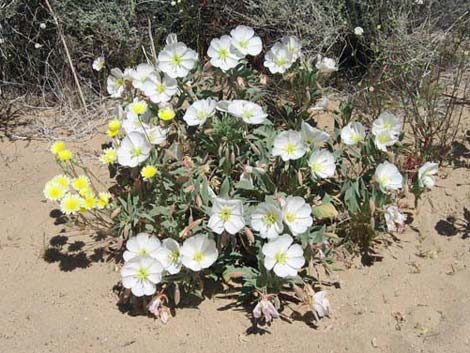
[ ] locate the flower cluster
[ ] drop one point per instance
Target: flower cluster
(217, 180)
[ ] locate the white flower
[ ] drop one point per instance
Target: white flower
(289, 145)
(245, 40)
(386, 122)
(98, 63)
(42, 26)
(297, 214)
(226, 215)
(140, 74)
(133, 123)
(278, 59)
(293, 46)
(199, 111)
(326, 65)
(267, 220)
(250, 113)
(223, 54)
(313, 136)
(388, 177)
(115, 83)
(320, 303)
(198, 252)
(141, 245)
(358, 31)
(177, 60)
(353, 133)
(285, 258)
(134, 149)
(158, 89)
(155, 134)
(426, 174)
(141, 274)
(322, 164)
(169, 256)
(394, 217)
(384, 139)
(266, 309)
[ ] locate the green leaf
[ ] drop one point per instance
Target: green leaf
(325, 211)
(225, 188)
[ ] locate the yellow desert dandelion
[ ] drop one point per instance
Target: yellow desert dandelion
(71, 203)
(148, 172)
(80, 183)
(54, 191)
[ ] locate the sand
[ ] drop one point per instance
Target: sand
(416, 300)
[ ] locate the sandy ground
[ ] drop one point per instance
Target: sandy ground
(416, 300)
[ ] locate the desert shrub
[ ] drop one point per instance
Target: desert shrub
(209, 186)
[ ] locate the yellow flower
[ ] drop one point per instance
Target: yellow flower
(113, 128)
(148, 172)
(114, 125)
(80, 183)
(65, 155)
(109, 156)
(62, 179)
(138, 107)
(103, 199)
(71, 204)
(57, 147)
(89, 202)
(166, 114)
(86, 191)
(54, 191)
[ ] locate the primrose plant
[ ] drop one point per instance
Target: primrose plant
(220, 174)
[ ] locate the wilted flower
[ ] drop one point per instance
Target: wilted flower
(266, 309)
(223, 54)
(199, 111)
(169, 256)
(160, 89)
(322, 164)
(37, 46)
(285, 258)
(141, 274)
(134, 149)
(156, 135)
(321, 104)
(319, 303)
(289, 145)
(140, 74)
(278, 59)
(353, 133)
(358, 31)
(250, 113)
(98, 63)
(198, 252)
(388, 177)
(226, 215)
(313, 136)
(394, 218)
(326, 65)
(142, 244)
(293, 46)
(177, 59)
(42, 25)
(267, 220)
(245, 40)
(426, 174)
(297, 214)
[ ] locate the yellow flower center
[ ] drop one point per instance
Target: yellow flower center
(270, 219)
(223, 53)
(198, 256)
(356, 137)
(225, 213)
(281, 257)
(316, 167)
(290, 148)
(142, 274)
(136, 152)
(247, 115)
(290, 217)
(176, 59)
(243, 43)
(201, 115)
(161, 88)
(174, 256)
(142, 252)
(281, 61)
